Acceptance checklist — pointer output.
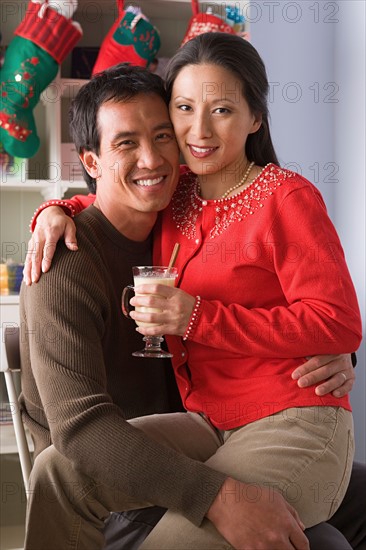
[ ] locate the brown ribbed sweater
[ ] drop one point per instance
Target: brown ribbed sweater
(80, 382)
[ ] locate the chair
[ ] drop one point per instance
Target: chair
(10, 364)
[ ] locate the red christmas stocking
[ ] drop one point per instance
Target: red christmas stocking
(204, 22)
(132, 38)
(42, 41)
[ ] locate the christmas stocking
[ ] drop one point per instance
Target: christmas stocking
(42, 41)
(132, 38)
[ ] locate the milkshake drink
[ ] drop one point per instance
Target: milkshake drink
(152, 275)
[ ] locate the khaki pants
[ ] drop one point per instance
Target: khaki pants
(305, 453)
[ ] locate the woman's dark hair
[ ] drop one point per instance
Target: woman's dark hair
(119, 83)
(242, 59)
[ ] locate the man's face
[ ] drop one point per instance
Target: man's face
(137, 168)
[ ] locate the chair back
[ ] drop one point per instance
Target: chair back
(10, 364)
(12, 349)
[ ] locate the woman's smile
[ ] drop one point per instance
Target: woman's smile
(201, 152)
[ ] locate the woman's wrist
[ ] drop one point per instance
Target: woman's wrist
(66, 207)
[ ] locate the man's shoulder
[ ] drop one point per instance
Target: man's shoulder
(71, 272)
(87, 259)
(91, 230)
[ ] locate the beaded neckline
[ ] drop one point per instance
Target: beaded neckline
(187, 205)
(226, 199)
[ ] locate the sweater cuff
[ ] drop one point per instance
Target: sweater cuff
(66, 207)
(193, 321)
(209, 488)
(49, 30)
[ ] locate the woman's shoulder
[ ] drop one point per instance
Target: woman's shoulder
(289, 179)
(288, 183)
(278, 174)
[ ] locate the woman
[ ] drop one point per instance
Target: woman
(263, 280)
(260, 251)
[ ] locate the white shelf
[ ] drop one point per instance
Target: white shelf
(9, 299)
(47, 188)
(13, 184)
(9, 304)
(38, 185)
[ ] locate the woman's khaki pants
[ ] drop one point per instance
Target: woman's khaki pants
(304, 453)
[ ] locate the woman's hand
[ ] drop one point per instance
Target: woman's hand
(52, 224)
(175, 309)
(334, 371)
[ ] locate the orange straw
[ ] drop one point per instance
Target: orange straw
(174, 255)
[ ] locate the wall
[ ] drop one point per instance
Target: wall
(315, 57)
(350, 147)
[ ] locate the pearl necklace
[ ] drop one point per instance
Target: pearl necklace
(231, 189)
(241, 182)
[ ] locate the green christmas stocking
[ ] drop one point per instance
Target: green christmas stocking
(42, 41)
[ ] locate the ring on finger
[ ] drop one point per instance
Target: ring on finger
(344, 376)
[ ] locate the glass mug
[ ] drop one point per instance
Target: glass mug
(147, 275)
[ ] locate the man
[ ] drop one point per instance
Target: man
(78, 376)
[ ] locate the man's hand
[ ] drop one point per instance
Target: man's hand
(52, 224)
(252, 516)
(335, 371)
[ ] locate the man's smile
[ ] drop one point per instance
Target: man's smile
(149, 182)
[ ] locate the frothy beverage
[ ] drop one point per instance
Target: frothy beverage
(149, 275)
(152, 277)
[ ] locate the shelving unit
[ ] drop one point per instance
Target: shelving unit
(56, 185)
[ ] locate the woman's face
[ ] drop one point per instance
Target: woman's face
(211, 120)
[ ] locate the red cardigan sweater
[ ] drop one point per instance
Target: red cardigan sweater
(275, 289)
